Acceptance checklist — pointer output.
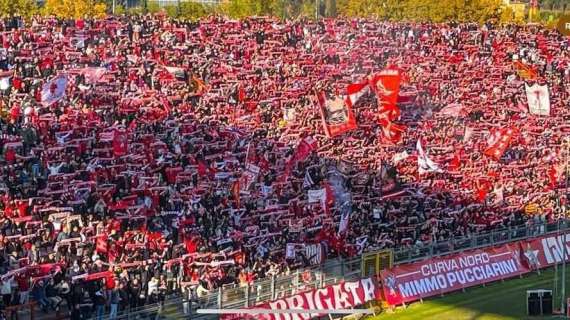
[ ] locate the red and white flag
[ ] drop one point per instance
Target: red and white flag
(355, 91)
(498, 142)
(248, 177)
(538, 100)
(93, 74)
(54, 90)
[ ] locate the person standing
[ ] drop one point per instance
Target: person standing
(114, 298)
(100, 303)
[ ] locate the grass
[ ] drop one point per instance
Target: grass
(497, 301)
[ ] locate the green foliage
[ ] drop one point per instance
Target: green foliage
(74, 8)
(25, 8)
(193, 10)
(120, 10)
(153, 7)
(422, 10)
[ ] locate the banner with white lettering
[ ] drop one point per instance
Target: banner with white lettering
(345, 295)
(545, 251)
(410, 282)
(314, 253)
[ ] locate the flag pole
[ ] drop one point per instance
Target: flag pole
(563, 291)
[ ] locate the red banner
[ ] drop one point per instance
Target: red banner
(337, 115)
(303, 150)
(120, 146)
(440, 275)
(340, 296)
(386, 84)
(545, 251)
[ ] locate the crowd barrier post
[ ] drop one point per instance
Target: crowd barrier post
(272, 287)
(220, 297)
(247, 288)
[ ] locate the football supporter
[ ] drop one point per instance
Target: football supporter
(146, 157)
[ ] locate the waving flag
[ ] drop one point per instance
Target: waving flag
(304, 149)
(452, 110)
(391, 132)
(337, 115)
(524, 71)
(499, 142)
(93, 74)
(386, 84)
(400, 157)
(538, 99)
(354, 91)
(178, 73)
(120, 146)
(5, 78)
(101, 244)
(248, 177)
(54, 90)
(425, 164)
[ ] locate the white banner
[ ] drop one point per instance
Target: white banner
(538, 100)
(316, 196)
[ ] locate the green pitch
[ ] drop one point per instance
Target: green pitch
(497, 301)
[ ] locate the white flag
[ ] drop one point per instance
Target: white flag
(468, 134)
(343, 225)
(399, 157)
(425, 164)
(289, 114)
(54, 90)
(538, 100)
(319, 195)
(4, 83)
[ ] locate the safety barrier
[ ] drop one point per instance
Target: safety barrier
(331, 272)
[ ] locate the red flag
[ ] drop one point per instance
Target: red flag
(386, 84)
(120, 146)
(191, 245)
(202, 168)
(241, 94)
(499, 142)
(482, 188)
(455, 163)
(392, 132)
(235, 192)
(354, 91)
(552, 177)
(101, 244)
(304, 149)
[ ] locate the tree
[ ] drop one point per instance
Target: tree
(193, 10)
(24, 8)
(74, 8)
(330, 8)
(422, 10)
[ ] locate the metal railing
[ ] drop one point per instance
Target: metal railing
(333, 271)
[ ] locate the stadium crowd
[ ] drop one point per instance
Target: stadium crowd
(143, 156)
